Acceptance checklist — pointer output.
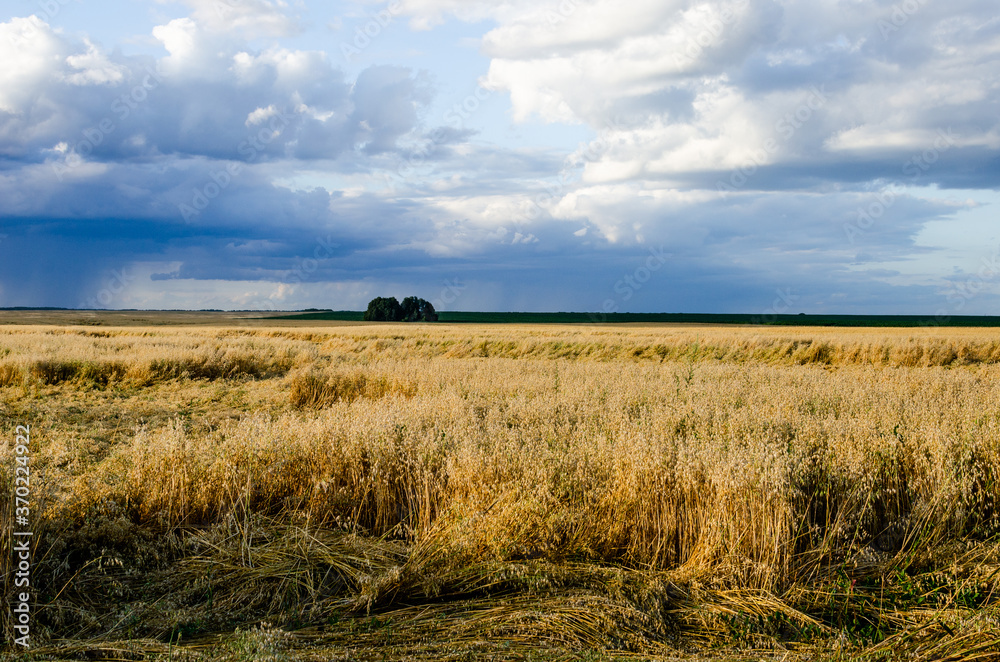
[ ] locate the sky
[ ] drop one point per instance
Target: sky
(749, 156)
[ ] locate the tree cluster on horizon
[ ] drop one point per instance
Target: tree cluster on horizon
(388, 309)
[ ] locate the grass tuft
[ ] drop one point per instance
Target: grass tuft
(314, 388)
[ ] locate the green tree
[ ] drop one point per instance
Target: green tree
(383, 309)
(416, 309)
(387, 309)
(427, 312)
(411, 309)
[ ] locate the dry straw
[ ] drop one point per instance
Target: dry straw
(569, 488)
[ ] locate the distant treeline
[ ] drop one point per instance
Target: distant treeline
(693, 318)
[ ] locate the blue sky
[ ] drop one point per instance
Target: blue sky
(680, 156)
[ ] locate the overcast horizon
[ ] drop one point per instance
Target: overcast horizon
(682, 157)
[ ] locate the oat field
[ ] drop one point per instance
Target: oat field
(439, 492)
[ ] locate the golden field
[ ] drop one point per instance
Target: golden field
(280, 492)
